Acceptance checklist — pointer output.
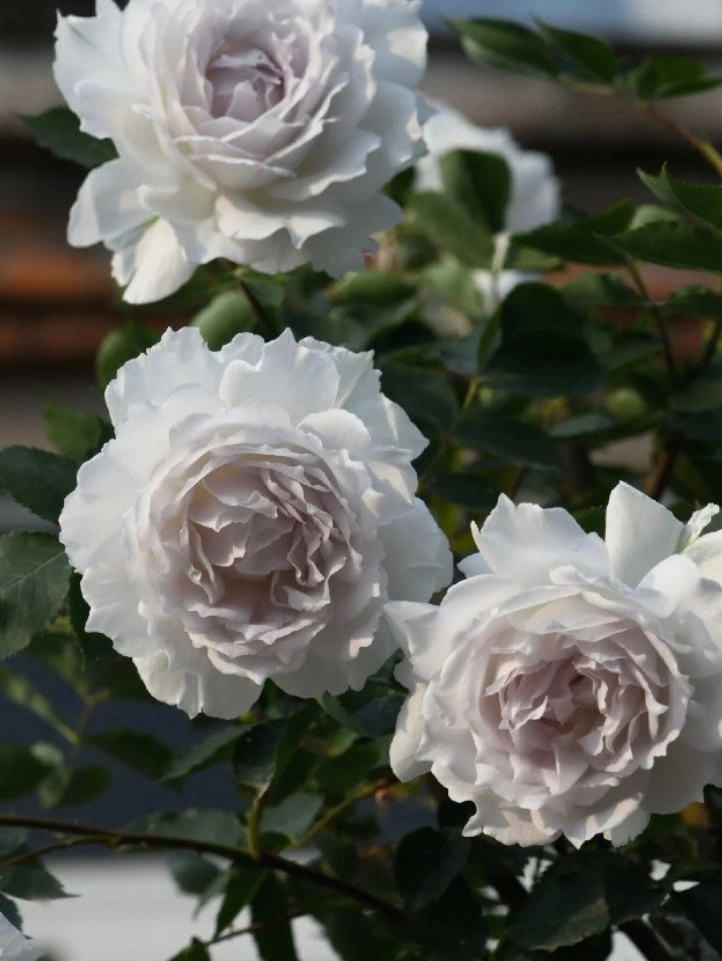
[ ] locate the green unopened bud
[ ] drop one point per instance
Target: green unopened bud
(119, 347)
(626, 403)
(227, 314)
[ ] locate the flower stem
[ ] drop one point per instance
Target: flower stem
(703, 147)
(274, 862)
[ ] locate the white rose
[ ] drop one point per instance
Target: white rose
(570, 684)
(14, 946)
(534, 190)
(250, 519)
(260, 131)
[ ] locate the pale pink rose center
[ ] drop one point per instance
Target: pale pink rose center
(581, 710)
(245, 82)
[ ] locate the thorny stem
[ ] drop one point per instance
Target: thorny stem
(264, 318)
(658, 315)
(661, 471)
(252, 928)
(255, 816)
(644, 938)
(273, 862)
(705, 149)
(339, 808)
(702, 147)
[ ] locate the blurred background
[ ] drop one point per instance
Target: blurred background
(57, 303)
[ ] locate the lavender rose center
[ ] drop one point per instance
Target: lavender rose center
(244, 82)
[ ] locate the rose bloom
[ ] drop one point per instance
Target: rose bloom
(260, 131)
(534, 190)
(14, 946)
(249, 520)
(570, 684)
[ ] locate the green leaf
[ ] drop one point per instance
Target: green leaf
(566, 906)
(451, 928)
(375, 288)
(76, 433)
(118, 348)
(466, 490)
(695, 302)
(239, 886)
(591, 58)
(423, 393)
(293, 816)
(669, 76)
(340, 776)
(196, 951)
(213, 749)
(193, 873)
(480, 182)
(84, 784)
(505, 44)
(674, 244)
(702, 201)
(228, 314)
(511, 440)
(371, 712)
(595, 289)
(20, 770)
(262, 752)
(9, 910)
(542, 352)
(573, 242)
(103, 669)
(34, 577)
(451, 227)
(59, 130)
(37, 479)
(592, 520)
(269, 908)
(19, 689)
(378, 716)
(355, 937)
(138, 750)
(426, 863)
(580, 896)
(30, 881)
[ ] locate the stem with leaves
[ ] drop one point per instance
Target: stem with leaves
(274, 862)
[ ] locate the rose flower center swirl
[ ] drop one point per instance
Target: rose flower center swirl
(585, 713)
(244, 81)
(262, 541)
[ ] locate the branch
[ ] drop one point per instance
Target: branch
(273, 862)
(646, 941)
(661, 472)
(702, 147)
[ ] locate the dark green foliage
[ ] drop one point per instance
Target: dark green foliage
(270, 910)
(34, 576)
(552, 52)
(427, 861)
(77, 434)
(37, 479)
(59, 130)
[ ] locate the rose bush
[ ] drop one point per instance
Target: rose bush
(260, 132)
(534, 191)
(570, 684)
(251, 517)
